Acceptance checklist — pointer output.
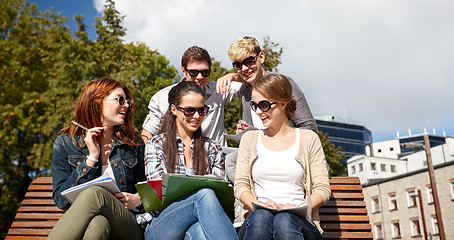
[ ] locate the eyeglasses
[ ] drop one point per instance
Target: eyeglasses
(121, 100)
(195, 72)
(248, 62)
(263, 105)
(190, 111)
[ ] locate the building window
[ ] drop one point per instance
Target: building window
(396, 230)
(375, 204)
(412, 195)
(391, 149)
(353, 169)
(372, 166)
(379, 150)
(360, 167)
(393, 168)
(383, 167)
(452, 189)
(378, 231)
(435, 224)
(415, 228)
(430, 195)
(392, 202)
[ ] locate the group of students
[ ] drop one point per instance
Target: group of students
(280, 165)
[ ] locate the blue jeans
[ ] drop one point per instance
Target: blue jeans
(196, 216)
(262, 224)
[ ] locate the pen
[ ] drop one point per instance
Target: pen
(79, 125)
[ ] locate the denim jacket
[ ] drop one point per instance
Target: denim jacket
(70, 169)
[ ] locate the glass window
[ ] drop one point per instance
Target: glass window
(435, 224)
(412, 195)
(393, 168)
(430, 196)
(415, 228)
(383, 167)
(378, 231)
(392, 202)
(396, 229)
(353, 169)
(375, 205)
(360, 167)
(372, 166)
(452, 189)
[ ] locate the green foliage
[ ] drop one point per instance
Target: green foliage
(333, 156)
(273, 54)
(43, 69)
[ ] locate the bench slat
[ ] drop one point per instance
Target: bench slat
(324, 211)
(347, 235)
(346, 226)
(343, 203)
(33, 224)
(38, 195)
(29, 231)
(38, 216)
(346, 195)
(40, 209)
(36, 202)
(344, 218)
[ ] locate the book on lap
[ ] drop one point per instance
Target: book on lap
(158, 194)
(103, 181)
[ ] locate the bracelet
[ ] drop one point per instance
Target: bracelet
(92, 159)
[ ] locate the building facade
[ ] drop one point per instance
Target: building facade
(394, 207)
(353, 139)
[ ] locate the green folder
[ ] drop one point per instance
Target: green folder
(176, 186)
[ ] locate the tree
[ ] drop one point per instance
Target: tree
(333, 156)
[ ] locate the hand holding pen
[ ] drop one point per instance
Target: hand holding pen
(91, 142)
(241, 126)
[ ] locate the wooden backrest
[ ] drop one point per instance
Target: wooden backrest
(343, 217)
(38, 213)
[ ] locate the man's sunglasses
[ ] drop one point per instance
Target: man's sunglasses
(195, 73)
(248, 62)
(190, 111)
(121, 100)
(263, 105)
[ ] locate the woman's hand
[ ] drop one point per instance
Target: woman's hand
(241, 126)
(288, 205)
(92, 143)
(271, 204)
(130, 200)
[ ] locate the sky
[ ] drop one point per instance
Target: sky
(384, 64)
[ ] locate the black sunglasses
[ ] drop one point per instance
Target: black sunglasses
(263, 105)
(121, 100)
(190, 111)
(248, 62)
(195, 73)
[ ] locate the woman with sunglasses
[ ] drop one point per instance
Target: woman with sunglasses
(183, 149)
(101, 141)
(280, 167)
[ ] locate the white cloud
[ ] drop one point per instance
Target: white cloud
(386, 63)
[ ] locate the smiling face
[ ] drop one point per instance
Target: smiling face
(275, 116)
(252, 73)
(188, 125)
(196, 65)
(112, 112)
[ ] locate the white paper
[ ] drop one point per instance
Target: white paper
(104, 181)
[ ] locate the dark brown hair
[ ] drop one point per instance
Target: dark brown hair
(89, 106)
(195, 53)
(277, 88)
(170, 129)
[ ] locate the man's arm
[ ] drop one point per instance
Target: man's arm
(146, 135)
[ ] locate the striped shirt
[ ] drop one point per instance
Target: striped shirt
(155, 158)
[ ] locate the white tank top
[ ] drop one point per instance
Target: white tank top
(277, 175)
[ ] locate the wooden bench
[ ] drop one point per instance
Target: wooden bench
(343, 217)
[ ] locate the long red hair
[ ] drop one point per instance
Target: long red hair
(88, 110)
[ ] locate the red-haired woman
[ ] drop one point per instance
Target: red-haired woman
(101, 141)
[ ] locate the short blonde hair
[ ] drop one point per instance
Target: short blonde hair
(242, 47)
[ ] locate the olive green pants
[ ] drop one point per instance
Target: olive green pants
(97, 214)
